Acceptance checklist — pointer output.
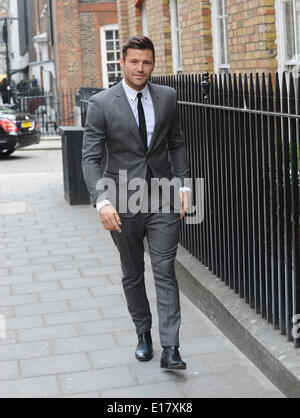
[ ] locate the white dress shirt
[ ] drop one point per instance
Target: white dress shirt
(147, 105)
(149, 117)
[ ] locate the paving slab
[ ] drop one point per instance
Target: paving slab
(69, 333)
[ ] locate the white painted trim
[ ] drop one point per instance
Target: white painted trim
(283, 63)
(144, 18)
(216, 43)
(103, 29)
(175, 27)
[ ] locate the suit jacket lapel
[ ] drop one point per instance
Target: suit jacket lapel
(127, 114)
(157, 111)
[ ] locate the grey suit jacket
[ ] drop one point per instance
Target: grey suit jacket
(111, 125)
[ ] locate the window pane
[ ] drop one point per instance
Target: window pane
(110, 56)
(289, 29)
(111, 77)
(116, 33)
(222, 42)
(111, 67)
(110, 45)
(220, 7)
(109, 34)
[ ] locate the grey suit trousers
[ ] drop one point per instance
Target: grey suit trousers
(162, 233)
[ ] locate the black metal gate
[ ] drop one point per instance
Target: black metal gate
(51, 110)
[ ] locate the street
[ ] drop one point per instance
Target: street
(69, 333)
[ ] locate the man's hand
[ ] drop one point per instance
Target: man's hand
(110, 218)
(184, 196)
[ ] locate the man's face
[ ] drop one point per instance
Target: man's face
(137, 67)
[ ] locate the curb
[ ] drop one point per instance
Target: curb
(42, 149)
(276, 358)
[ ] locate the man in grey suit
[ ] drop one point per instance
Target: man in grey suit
(137, 124)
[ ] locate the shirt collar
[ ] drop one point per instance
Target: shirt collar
(132, 94)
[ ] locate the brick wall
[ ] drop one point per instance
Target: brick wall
(158, 13)
(195, 35)
(103, 17)
(70, 58)
(134, 19)
(123, 20)
(251, 31)
(196, 42)
(78, 33)
(130, 24)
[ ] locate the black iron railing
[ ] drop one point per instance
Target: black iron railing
(244, 140)
(85, 94)
(51, 110)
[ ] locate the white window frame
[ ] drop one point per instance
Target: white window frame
(218, 67)
(175, 36)
(144, 18)
(104, 29)
(283, 63)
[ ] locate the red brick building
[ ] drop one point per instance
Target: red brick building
(217, 35)
(86, 37)
(76, 43)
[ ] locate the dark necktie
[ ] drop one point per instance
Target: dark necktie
(143, 131)
(142, 121)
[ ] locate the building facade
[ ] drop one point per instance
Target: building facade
(87, 39)
(3, 14)
(43, 65)
(65, 44)
(21, 31)
(216, 35)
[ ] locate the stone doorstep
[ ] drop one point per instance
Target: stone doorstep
(276, 358)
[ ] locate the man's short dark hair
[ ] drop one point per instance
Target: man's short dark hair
(138, 42)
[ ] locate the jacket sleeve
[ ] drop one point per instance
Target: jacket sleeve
(93, 149)
(177, 147)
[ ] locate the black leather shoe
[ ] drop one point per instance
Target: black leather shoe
(171, 359)
(144, 350)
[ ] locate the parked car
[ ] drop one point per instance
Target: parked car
(17, 130)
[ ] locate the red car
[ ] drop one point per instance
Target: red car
(17, 130)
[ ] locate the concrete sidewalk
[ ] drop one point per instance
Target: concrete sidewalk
(69, 332)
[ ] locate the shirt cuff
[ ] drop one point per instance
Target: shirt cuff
(101, 204)
(185, 189)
